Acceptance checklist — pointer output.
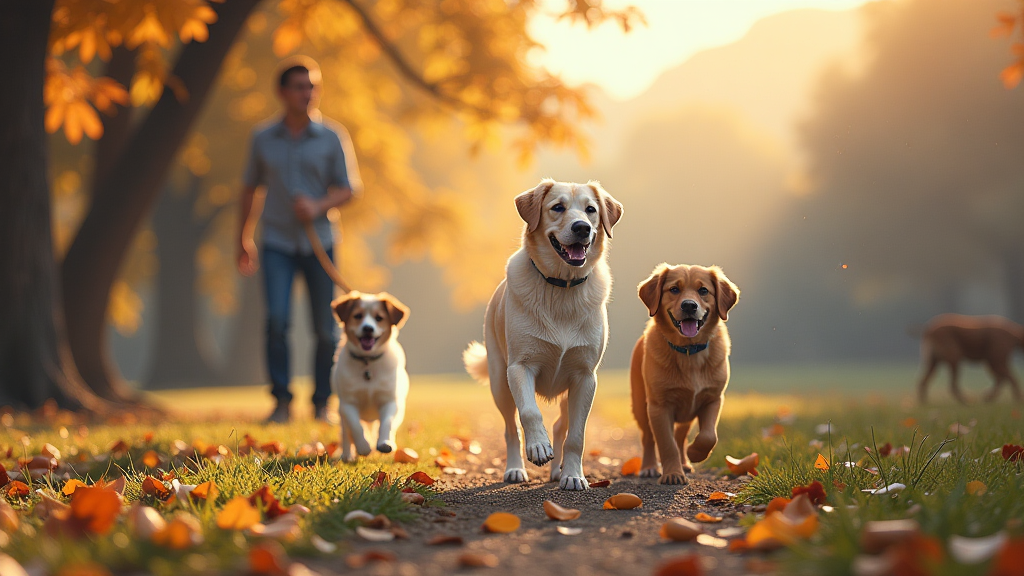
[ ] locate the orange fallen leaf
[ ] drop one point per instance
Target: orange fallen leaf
(631, 466)
(50, 451)
(275, 447)
(237, 514)
(268, 559)
(155, 488)
(18, 489)
(71, 485)
(703, 517)
(95, 509)
(379, 480)
(265, 500)
(746, 465)
(683, 566)
(815, 491)
(299, 468)
(623, 501)
(680, 530)
(406, 456)
(976, 488)
(777, 505)
(206, 491)
(600, 484)
(421, 478)
(821, 464)
(798, 521)
(475, 560)
(718, 496)
(181, 533)
(556, 512)
(444, 462)
(151, 459)
(119, 447)
(501, 522)
(4, 478)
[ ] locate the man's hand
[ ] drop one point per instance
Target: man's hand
(248, 258)
(306, 209)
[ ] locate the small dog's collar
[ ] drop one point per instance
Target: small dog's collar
(365, 359)
(558, 281)
(688, 350)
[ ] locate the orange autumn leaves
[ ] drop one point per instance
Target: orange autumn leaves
(1007, 23)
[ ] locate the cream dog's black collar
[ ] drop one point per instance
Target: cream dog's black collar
(366, 361)
(558, 281)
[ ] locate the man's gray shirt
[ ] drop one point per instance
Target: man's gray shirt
(319, 157)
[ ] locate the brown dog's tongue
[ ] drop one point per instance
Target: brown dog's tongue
(689, 327)
(576, 251)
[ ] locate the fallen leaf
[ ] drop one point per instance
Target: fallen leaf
(731, 532)
(50, 451)
(414, 498)
(777, 504)
(359, 560)
(709, 540)
(71, 485)
(600, 484)
(887, 490)
(476, 560)
(556, 512)
(265, 500)
(155, 488)
(360, 516)
(380, 480)
(1013, 453)
(569, 530)
(445, 540)
(820, 463)
(623, 501)
(206, 491)
(48, 506)
(703, 517)
(976, 488)
(443, 462)
(284, 527)
(746, 465)
(4, 478)
(95, 509)
(9, 520)
(238, 514)
(268, 559)
(322, 545)
(718, 496)
(181, 533)
(374, 535)
(631, 466)
(976, 550)
(501, 522)
(406, 456)
(144, 521)
(815, 491)
(683, 566)
(151, 459)
(421, 478)
(680, 530)
(1009, 559)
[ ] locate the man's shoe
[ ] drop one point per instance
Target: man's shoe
(280, 415)
(320, 413)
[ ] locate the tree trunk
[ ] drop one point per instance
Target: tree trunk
(35, 363)
(178, 359)
(126, 193)
(245, 359)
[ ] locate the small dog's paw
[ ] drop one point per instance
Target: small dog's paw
(363, 449)
(695, 454)
(673, 479)
(651, 472)
(348, 456)
(688, 468)
(385, 447)
(540, 454)
(516, 475)
(573, 483)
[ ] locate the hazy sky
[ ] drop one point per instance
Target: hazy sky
(624, 65)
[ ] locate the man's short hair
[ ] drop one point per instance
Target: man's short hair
(298, 64)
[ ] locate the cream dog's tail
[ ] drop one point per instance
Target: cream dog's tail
(475, 359)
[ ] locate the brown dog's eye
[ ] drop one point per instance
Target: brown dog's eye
(674, 290)
(558, 208)
(379, 318)
(591, 209)
(358, 316)
(703, 291)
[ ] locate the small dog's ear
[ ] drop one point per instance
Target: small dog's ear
(530, 203)
(343, 305)
(727, 294)
(398, 313)
(611, 209)
(650, 289)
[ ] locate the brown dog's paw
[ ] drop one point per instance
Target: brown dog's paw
(673, 479)
(687, 468)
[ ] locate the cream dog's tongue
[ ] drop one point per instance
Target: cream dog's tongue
(689, 327)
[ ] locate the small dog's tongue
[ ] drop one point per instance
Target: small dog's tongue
(689, 327)
(576, 251)
(367, 342)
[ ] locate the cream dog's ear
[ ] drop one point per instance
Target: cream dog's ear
(398, 313)
(650, 290)
(344, 304)
(530, 203)
(726, 293)
(611, 209)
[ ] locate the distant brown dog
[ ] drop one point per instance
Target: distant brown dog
(950, 338)
(680, 366)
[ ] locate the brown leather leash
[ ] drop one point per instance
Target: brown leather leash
(325, 260)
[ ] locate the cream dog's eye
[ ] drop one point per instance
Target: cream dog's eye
(703, 291)
(674, 290)
(379, 318)
(358, 316)
(591, 209)
(558, 208)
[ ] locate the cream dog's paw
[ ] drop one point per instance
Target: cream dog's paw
(573, 483)
(673, 479)
(516, 475)
(540, 453)
(385, 447)
(652, 472)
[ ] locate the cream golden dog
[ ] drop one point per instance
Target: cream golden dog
(369, 373)
(680, 366)
(546, 326)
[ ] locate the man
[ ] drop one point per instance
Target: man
(306, 169)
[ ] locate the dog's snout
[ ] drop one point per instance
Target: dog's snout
(581, 229)
(689, 307)
(367, 329)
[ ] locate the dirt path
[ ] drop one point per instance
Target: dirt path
(611, 542)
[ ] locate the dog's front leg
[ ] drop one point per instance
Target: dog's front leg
(663, 424)
(385, 435)
(350, 419)
(581, 400)
(706, 439)
(524, 391)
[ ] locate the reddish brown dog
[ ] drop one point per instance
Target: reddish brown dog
(680, 366)
(951, 338)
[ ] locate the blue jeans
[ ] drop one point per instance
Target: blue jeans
(279, 270)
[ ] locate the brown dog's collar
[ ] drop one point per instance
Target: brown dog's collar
(688, 350)
(558, 281)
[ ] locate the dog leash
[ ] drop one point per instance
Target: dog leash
(325, 260)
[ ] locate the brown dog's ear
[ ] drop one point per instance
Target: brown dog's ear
(611, 209)
(727, 294)
(343, 305)
(530, 203)
(398, 313)
(650, 289)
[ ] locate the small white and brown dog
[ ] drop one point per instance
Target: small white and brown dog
(546, 327)
(369, 373)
